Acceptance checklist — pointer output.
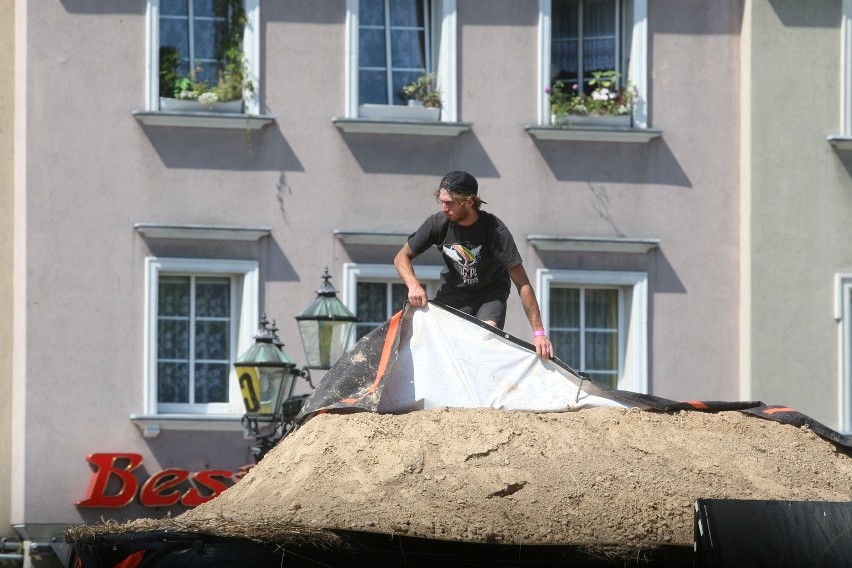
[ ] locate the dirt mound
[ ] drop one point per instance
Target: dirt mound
(596, 476)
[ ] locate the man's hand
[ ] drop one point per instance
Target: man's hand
(543, 346)
(417, 296)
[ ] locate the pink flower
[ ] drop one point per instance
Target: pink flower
(574, 86)
(548, 90)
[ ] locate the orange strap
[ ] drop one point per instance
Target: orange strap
(386, 353)
(780, 409)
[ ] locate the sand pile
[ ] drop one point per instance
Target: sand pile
(595, 476)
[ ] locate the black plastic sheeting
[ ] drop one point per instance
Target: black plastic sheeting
(162, 549)
(776, 412)
(730, 533)
(357, 549)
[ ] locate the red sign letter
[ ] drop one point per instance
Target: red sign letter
(153, 492)
(105, 467)
(193, 497)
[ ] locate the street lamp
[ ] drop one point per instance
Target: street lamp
(265, 373)
(267, 376)
(325, 326)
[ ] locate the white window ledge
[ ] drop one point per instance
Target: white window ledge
(590, 134)
(151, 424)
(217, 232)
(203, 119)
(373, 126)
(592, 244)
(370, 237)
(840, 142)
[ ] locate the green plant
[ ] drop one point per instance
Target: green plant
(231, 81)
(606, 99)
(423, 89)
(169, 62)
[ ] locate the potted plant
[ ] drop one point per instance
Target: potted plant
(424, 103)
(606, 105)
(223, 93)
(423, 91)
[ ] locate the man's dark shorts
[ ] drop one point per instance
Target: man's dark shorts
(489, 306)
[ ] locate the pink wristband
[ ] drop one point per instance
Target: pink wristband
(539, 333)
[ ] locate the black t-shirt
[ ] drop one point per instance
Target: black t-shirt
(477, 256)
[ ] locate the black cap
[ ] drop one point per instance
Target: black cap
(460, 182)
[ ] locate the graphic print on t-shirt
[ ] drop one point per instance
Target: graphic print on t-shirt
(465, 258)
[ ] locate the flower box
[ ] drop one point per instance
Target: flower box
(192, 105)
(399, 112)
(608, 121)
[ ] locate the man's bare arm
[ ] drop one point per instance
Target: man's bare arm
(528, 300)
(402, 262)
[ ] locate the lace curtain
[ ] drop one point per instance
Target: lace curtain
(193, 339)
(584, 330)
(597, 36)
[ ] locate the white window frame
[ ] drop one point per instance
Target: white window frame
(637, 71)
(632, 310)
(251, 50)
(443, 29)
(244, 298)
(843, 316)
(353, 272)
(846, 69)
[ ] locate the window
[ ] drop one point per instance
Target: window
(843, 314)
(193, 339)
(376, 302)
(584, 330)
(391, 43)
(200, 315)
(192, 31)
(374, 292)
(597, 322)
(394, 41)
(581, 37)
(210, 42)
(585, 38)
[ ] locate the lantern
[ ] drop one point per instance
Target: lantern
(325, 326)
(265, 373)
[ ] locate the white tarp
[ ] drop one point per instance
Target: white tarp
(444, 360)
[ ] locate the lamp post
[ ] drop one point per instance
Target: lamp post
(267, 376)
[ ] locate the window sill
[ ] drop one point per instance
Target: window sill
(593, 244)
(371, 238)
(203, 119)
(152, 424)
(591, 134)
(195, 232)
(376, 126)
(840, 142)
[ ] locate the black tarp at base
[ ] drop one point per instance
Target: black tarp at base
(162, 549)
(730, 533)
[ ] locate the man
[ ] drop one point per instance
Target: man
(481, 259)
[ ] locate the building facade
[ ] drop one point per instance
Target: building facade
(680, 255)
(796, 251)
